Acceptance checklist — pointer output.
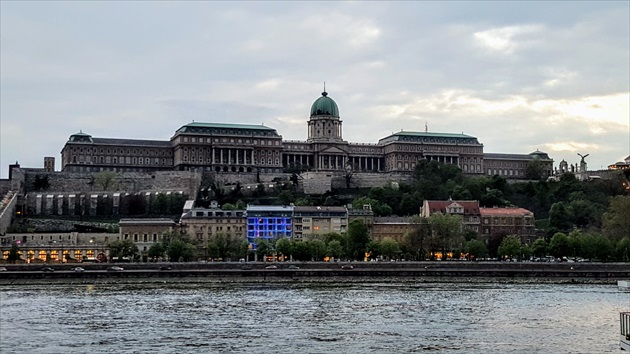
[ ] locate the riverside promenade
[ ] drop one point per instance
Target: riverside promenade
(291, 271)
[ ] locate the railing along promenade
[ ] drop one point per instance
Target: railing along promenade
(608, 272)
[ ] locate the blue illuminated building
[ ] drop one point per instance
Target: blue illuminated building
(268, 222)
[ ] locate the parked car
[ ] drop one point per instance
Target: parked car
(165, 268)
(293, 266)
(271, 267)
(347, 266)
(3, 269)
(47, 269)
(78, 269)
(115, 269)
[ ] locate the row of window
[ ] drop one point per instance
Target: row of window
(275, 142)
(140, 152)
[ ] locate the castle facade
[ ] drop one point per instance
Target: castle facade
(242, 148)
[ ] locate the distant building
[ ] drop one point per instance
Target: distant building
(394, 227)
(467, 209)
(146, 232)
(314, 222)
(621, 165)
(499, 222)
(487, 222)
(268, 222)
(201, 224)
(245, 148)
(58, 247)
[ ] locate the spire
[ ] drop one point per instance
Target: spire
(324, 93)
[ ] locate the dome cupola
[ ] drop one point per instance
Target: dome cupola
(324, 106)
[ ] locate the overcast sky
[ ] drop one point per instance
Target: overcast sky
(519, 76)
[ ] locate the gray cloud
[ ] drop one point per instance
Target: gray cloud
(504, 72)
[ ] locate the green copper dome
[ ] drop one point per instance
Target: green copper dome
(324, 106)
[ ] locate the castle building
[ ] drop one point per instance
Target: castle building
(244, 148)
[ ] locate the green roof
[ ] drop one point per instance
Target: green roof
(324, 106)
(446, 138)
(432, 135)
(226, 126)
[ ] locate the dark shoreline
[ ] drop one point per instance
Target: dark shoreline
(315, 272)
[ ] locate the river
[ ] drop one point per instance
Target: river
(327, 317)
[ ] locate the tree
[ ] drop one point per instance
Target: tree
(559, 245)
(223, 245)
(318, 249)
(301, 250)
(14, 253)
(357, 240)
(616, 220)
(334, 249)
(510, 247)
(389, 247)
(264, 249)
(476, 249)
(156, 251)
(105, 179)
(540, 247)
(416, 239)
(122, 249)
(180, 251)
(559, 217)
(447, 232)
(622, 250)
(284, 247)
(534, 170)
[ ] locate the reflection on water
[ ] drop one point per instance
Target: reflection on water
(311, 318)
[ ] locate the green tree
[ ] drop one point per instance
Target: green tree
(14, 253)
(475, 249)
(534, 170)
(318, 249)
(301, 250)
(559, 245)
(334, 249)
(389, 247)
(264, 249)
(616, 220)
(284, 247)
(122, 249)
(622, 250)
(447, 229)
(180, 251)
(540, 247)
(510, 247)
(416, 240)
(559, 217)
(223, 245)
(156, 251)
(357, 240)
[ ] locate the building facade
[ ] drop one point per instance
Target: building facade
(145, 232)
(468, 210)
(201, 224)
(394, 227)
(314, 222)
(58, 247)
(243, 148)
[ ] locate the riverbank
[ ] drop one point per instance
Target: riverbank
(359, 272)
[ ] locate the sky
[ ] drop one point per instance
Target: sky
(519, 76)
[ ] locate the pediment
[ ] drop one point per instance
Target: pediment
(332, 150)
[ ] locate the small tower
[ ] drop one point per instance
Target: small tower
(49, 164)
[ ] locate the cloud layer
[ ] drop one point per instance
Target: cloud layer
(519, 76)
